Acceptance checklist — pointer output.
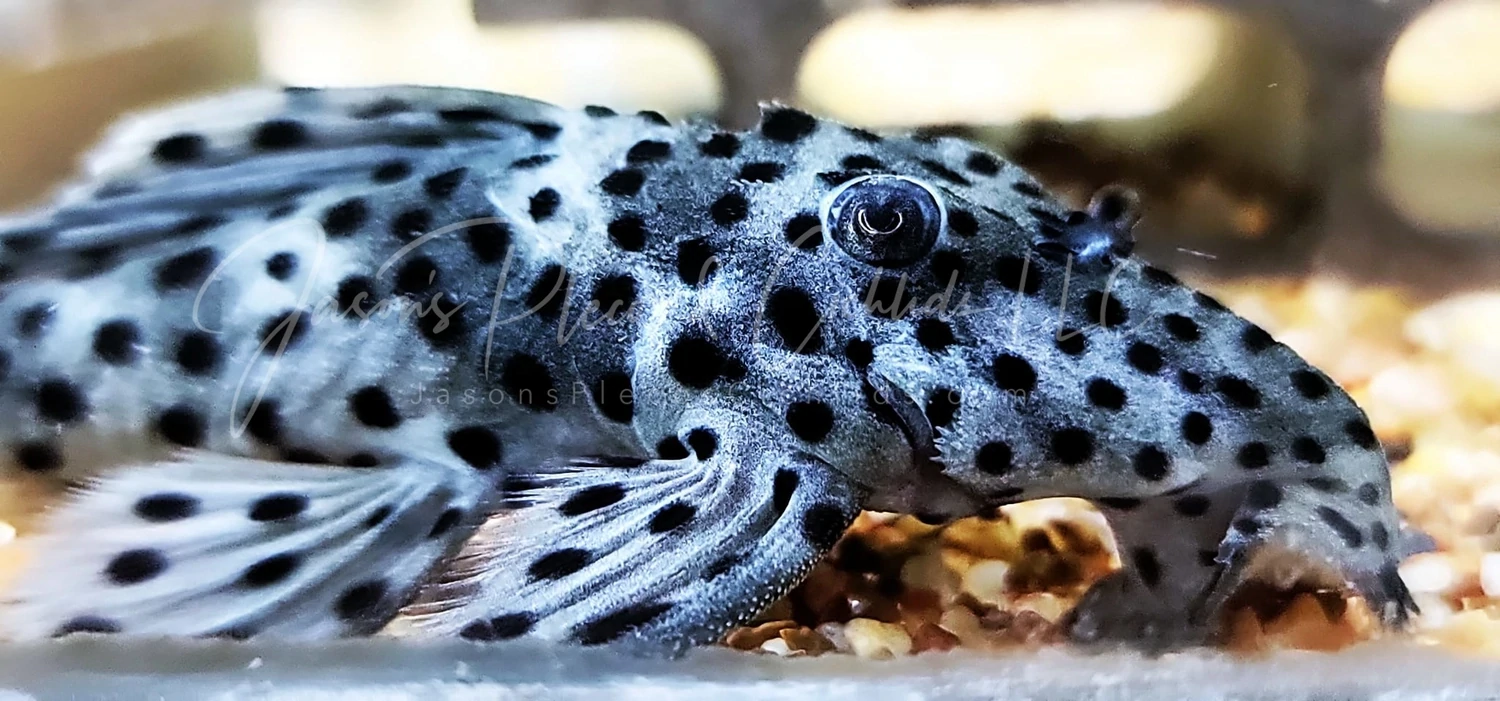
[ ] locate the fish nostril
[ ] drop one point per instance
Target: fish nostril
(1116, 205)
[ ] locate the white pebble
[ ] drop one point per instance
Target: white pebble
(1489, 574)
(874, 639)
(1428, 573)
(985, 581)
(777, 646)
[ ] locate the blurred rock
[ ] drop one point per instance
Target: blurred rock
(1440, 162)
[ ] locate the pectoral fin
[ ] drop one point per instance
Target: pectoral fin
(665, 553)
(212, 545)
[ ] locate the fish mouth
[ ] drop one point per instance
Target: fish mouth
(896, 405)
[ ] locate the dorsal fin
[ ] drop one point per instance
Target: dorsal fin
(188, 169)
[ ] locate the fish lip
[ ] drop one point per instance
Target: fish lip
(910, 419)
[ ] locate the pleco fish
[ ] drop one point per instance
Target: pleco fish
(297, 345)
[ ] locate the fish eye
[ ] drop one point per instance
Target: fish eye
(884, 220)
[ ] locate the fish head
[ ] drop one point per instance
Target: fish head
(1018, 348)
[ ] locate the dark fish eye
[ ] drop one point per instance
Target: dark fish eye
(884, 220)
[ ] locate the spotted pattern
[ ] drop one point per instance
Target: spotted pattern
(627, 285)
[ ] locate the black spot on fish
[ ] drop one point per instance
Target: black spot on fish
(1105, 394)
(982, 163)
(60, 401)
(135, 566)
(1104, 309)
(346, 217)
(279, 135)
(804, 231)
(478, 446)
(38, 457)
(544, 204)
(648, 151)
(1307, 449)
(721, 145)
(1253, 456)
(185, 270)
(1072, 446)
(1342, 526)
(442, 185)
(1238, 392)
(620, 623)
(1192, 505)
(1310, 384)
(942, 405)
(592, 499)
(1256, 339)
(360, 601)
(811, 420)
(934, 334)
(372, 406)
(671, 517)
(694, 361)
(625, 182)
(696, 261)
(1019, 274)
(280, 506)
(166, 507)
(1151, 463)
(628, 232)
(1013, 373)
(731, 208)
(1182, 328)
(180, 148)
(994, 458)
(859, 352)
(1071, 341)
(529, 383)
(671, 448)
(391, 171)
(787, 125)
(1146, 565)
(1262, 494)
(1197, 428)
(270, 570)
(559, 563)
(944, 172)
(116, 342)
(181, 425)
(795, 319)
(762, 172)
(613, 396)
(860, 161)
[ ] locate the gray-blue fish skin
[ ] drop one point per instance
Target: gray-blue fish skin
(667, 363)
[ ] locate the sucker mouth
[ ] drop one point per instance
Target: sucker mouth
(898, 406)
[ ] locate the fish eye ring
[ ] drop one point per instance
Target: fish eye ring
(885, 220)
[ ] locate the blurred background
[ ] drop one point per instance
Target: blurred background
(1330, 168)
(1264, 135)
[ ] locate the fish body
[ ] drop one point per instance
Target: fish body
(318, 357)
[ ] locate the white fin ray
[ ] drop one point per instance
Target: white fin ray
(195, 576)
